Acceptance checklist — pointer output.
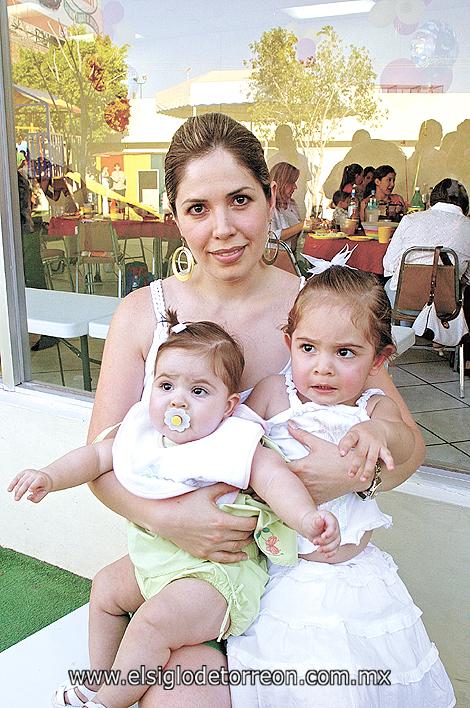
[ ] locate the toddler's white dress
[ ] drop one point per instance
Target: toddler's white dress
(352, 616)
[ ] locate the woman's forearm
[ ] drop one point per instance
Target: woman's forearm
(395, 477)
(150, 514)
(291, 231)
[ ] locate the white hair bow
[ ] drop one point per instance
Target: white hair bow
(341, 259)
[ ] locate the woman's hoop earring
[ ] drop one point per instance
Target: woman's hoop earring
(182, 263)
(271, 248)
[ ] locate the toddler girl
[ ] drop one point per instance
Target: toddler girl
(178, 599)
(352, 612)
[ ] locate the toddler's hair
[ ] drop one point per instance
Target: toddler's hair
(208, 340)
(361, 291)
(340, 196)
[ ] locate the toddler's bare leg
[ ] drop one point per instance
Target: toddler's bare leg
(186, 612)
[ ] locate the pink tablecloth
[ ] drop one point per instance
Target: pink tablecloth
(367, 256)
(62, 227)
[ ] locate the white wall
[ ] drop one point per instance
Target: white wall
(429, 542)
(70, 529)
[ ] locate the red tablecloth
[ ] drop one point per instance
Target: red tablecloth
(367, 256)
(62, 227)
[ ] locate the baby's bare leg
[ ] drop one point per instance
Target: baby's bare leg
(186, 612)
(114, 594)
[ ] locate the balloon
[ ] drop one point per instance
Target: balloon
(113, 12)
(438, 76)
(403, 28)
(409, 12)
(383, 13)
(402, 72)
(305, 48)
(434, 43)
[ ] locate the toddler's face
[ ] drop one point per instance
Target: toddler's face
(331, 358)
(185, 384)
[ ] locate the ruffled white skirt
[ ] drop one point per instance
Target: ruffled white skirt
(352, 616)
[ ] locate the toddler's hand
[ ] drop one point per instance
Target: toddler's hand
(37, 482)
(322, 529)
(368, 443)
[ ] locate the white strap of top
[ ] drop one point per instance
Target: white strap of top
(294, 400)
(366, 395)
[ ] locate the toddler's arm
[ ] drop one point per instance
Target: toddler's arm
(76, 467)
(288, 498)
(372, 440)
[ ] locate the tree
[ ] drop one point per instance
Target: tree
(313, 96)
(88, 75)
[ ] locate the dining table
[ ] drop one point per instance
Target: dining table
(368, 253)
(63, 227)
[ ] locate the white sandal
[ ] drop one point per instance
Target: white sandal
(67, 691)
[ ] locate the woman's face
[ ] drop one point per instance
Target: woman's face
(289, 190)
(358, 178)
(223, 215)
(368, 177)
(386, 184)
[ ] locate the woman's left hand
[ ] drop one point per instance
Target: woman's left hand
(323, 471)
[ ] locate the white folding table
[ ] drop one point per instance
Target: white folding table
(67, 315)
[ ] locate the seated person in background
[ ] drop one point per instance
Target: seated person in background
(367, 178)
(383, 184)
(352, 177)
(445, 223)
(286, 222)
(340, 201)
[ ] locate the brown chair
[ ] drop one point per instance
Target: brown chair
(285, 257)
(98, 245)
(414, 286)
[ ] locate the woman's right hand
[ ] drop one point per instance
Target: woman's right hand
(197, 525)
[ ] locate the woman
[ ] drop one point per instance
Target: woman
(445, 223)
(384, 182)
(352, 177)
(367, 178)
(286, 222)
(219, 190)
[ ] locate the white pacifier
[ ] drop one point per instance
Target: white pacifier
(177, 419)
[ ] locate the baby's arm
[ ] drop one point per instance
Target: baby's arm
(76, 467)
(288, 498)
(372, 440)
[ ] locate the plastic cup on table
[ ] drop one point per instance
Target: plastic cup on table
(385, 233)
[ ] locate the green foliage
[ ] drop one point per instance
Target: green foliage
(312, 96)
(63, 73)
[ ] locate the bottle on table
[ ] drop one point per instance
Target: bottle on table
(417, 202)
(353, 206)
(372, 209)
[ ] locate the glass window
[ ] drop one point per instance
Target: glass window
(99, 88)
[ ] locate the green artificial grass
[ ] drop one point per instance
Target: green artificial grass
(34, 594)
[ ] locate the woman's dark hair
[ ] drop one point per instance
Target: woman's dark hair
(200, 135)
(359, 290)
(368, 169)
(207, 339)
(449, 191)
(350, 173)
(383, 171)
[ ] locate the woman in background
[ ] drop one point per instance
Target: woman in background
(384, 182)
(286, 222)
(352, 177)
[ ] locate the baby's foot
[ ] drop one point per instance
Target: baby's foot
(312, 526)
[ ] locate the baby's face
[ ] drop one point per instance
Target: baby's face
(188, 401)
